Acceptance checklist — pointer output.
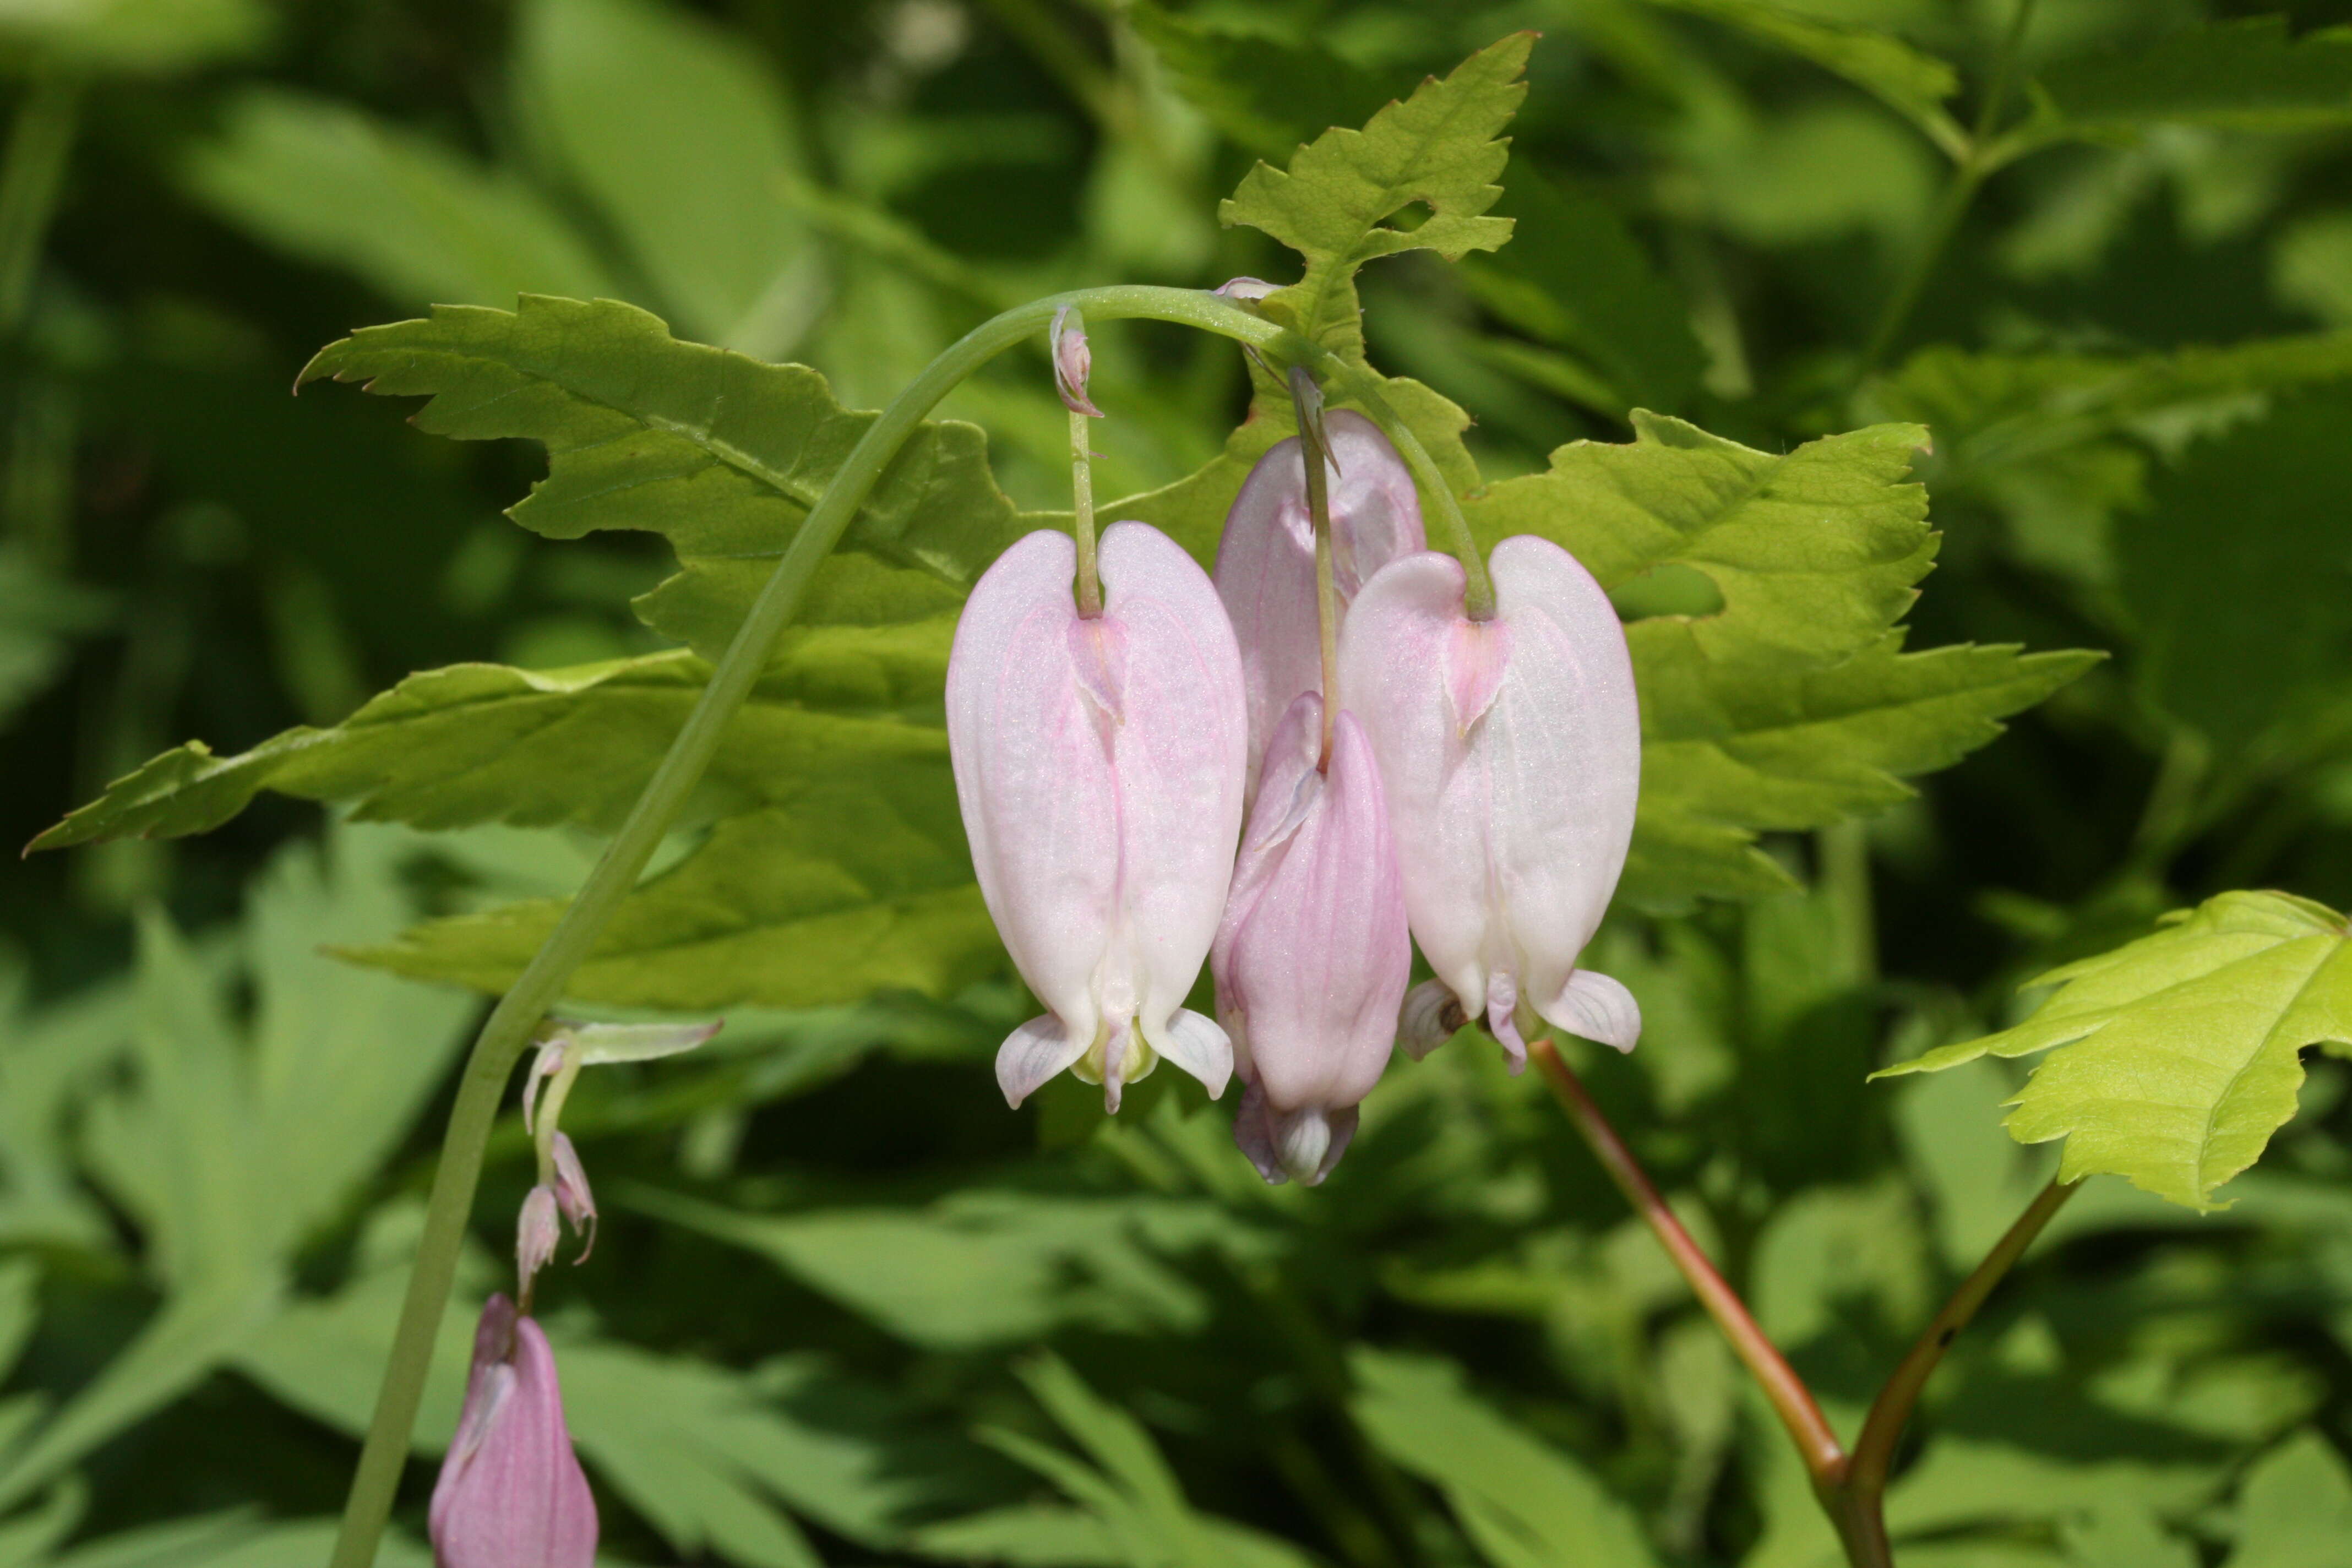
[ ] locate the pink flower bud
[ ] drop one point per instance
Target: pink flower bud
(537, 1230)
(1249, 290)
(1511, 752)
(1265, 562)
(1312, 957)
(572, 1193)
(511, 1492)
(1072, 362)
(1098, 763)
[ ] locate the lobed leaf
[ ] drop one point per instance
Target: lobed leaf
(1441, 148)
(720, 454)
(2175, 1056)
(1790, 704)
(1913, 84)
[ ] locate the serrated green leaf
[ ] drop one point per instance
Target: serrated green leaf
(2296, 1509)
(718, 453)
(1524, 1502)
(862, 883)
(1269, 94)
(1574, 277)
(1792, 706)
(420, 222)
(1441, 148)
(1913, 84)
(2174, 1057)
(681, 138)
(482, 743)
(2245, 75)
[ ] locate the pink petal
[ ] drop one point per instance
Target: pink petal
(514, 1495)
(1266, 560)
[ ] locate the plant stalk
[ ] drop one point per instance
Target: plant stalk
(1823, 1455)
(1082, 515)
(509, 1029)
(1314, 461)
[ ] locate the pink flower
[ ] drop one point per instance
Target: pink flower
(1098, 763)
(511, 1492)
(1511, 751)
(1265, 562)
(1312, 957)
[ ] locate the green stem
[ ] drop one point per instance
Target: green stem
(1967, 178)
(1808, 1427)
(1082, 514)
(1314, 462)
(1365, 387)
(38, 144)
(510, 1024)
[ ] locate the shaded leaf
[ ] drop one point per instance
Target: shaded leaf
(2175, 1056)
(1439, 148)
(2244, 75)
(40, 615)
(1267, 94)
(137, 37)
(2296, 1507)
(421, 223)
(1913, 84)
(1525, 1503)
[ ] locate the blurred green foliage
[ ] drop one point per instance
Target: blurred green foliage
(848, 1310)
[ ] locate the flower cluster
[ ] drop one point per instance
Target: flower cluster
(1471, 781)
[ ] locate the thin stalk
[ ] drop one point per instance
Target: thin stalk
(1364, 387)
(510, 1026)
(1314, 459)
(38, 144)
(1967, 176)
(1873, 1450)
(1825, 1458)
(1082, 515)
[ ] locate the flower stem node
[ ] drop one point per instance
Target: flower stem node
(1098, 765)
(511, 1493)
(1073, 362)
(1511, 754)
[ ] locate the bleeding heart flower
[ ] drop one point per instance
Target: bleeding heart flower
(511, 1493)
(1511, 750)
(1312, 957)
(1265, 562)
(1098, 763)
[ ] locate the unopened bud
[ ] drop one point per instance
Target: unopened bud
(537, 1230)
(1072, 362)
(1247, 289)
(511, 1492)
(572, 1193)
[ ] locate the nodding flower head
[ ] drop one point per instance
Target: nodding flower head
(1312, 957)
(1098, 763)
(1072, 362)
(1511, 751)
(511, 1493)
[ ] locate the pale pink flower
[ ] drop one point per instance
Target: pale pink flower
(1312, 957)
(1098, 763)
(1511, 751)
(1266, 561)
(511, 1493)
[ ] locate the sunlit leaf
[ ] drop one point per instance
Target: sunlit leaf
(2174, 1057)
(1439, 148)
(1793, 705)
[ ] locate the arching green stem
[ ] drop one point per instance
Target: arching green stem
(510, 1024)
(1364, 387)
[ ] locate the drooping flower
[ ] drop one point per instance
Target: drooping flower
(1511, 751)
(1073, 362)
(1312, 957)
(1266, 561)
(511, 1493)
(537, 1231)
(572, 1195)
(1098, 763)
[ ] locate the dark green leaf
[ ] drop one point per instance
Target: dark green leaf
(2244, 75)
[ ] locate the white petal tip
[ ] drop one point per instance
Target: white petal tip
(1033, 1053)
(1431, 1015)
(1194, 1043)
(1598, 1008)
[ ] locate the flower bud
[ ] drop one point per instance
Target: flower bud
(537, 1230)
(1072, 362)
(511, 1493)
(1511, 752)
(1099, 764)
(1312, 956)
(1248, 290)
(1265, 562)
(572, 1193)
